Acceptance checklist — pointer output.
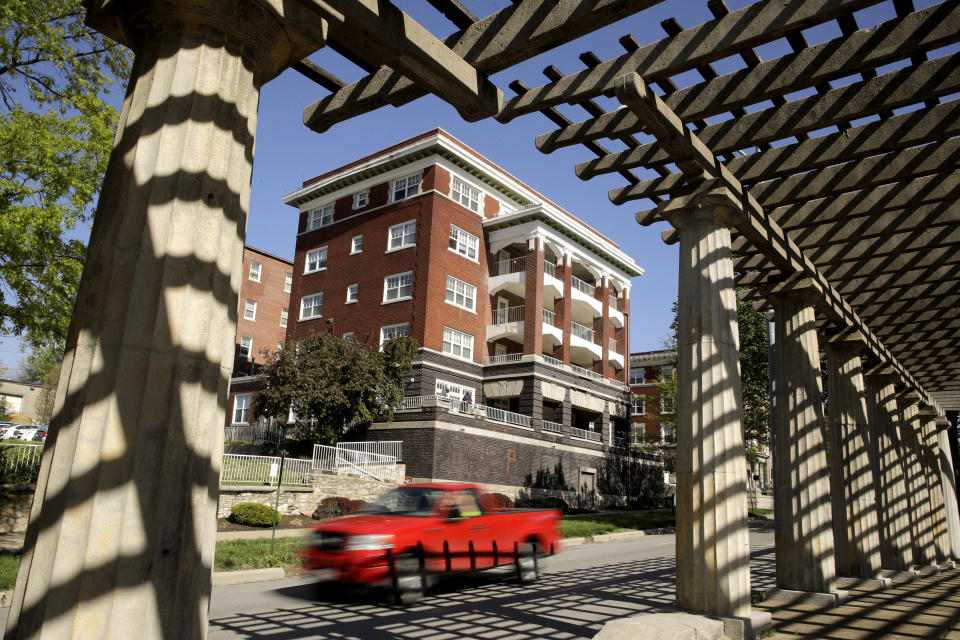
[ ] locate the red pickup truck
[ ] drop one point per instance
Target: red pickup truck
(414, 533)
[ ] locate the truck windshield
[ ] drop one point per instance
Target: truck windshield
(405, 501)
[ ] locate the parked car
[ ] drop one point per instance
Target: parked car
(8, 432)
(28, 433)
(414, 534)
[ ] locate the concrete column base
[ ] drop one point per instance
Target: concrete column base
(864, 584)
(818, 598)
(899, 576)
(947, 564)
(926, 571)
(683, 625)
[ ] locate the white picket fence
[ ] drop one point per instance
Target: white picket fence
(263, 470)
(344, 460)
(21, 456)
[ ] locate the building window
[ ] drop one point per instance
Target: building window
(353, 293)
(246, 347)
(311, 306)
(638, 405)
(316, 260)
(461, 294)
(241, 408)
(465, 194)
(321, 217)
(405, 187)
(250, 310)
(361, 199)
(287, 282)
(394, 331)
(348, 335)
(356, 245)
(398, 287)
(280, 346)
(463, 243)
(667, 435)
(457, 343)
(666, 404)
(636, 376)
(255, 269)
(284, 315)
(402, 235)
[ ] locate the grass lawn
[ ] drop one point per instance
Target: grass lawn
(9, 562)
(232, 555)
(592, 524)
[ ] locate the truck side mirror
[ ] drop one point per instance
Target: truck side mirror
(455, 513)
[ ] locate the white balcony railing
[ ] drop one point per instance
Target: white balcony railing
(513, 265)
(585, 372)
(585, 434)
(508, 417)
(554, 361)
(263, 470)
(549, 317)
(612, 345)
(509, 314)
(413, 402)
(549, 268)
(503, 358)
(585, 333)
(582, 286)
(554, 427)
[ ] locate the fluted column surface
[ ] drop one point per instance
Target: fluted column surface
(122, 532)
(855, 527)
(802, 523)
(948, 482)
(938, 515)
(713, 574)
(921, 525)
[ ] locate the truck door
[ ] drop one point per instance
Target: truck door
(468, 538)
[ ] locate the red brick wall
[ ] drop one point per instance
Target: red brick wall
(270, 297)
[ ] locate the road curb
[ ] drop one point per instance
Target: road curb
(247, 575)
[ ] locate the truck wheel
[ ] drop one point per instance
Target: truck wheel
(528, 566)
(408, 579)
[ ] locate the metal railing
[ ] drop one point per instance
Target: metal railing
(583, 286)
(338, 460)
(619, 441)
(513, 265)
(549, 317)
(503, 359)
(413, 402)
(264, 470)
(508, 417)
(380, 447)
(550, 268)
(463, 407)
(612, 345)
(265, 430)
(585, 372)
(510, 314)
(579, 330)
(554, 361)
(17, 457)
(585, 434)
(554, 427)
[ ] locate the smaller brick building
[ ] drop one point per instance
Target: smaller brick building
(262, 320)
(646, 368)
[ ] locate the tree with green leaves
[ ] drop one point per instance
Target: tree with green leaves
(56, 134)
(331, 383)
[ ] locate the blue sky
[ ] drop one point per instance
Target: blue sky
(287, 152)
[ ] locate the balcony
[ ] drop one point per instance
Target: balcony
(616, 315)
(552, 427)
(552, 334)
(552, 285)
(583, 348)
(585, 435)
(507, 323)
(616, 359)
(584, 305)
(509, 417)
(509, 275)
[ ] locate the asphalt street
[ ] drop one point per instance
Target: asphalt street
(581, 588)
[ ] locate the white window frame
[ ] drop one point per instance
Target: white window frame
(250, 310)
(321, 256)
(643, 405)
(256, 268)
(668, 405)
(407, 187)
(395, 331)
(356, 245)
(241, 404)
(246, 347)
(287, 282)
(404, 236)
(284, 316)
(280, 345)
(361, 199)
(320, 217)
(461, 241)
(461, 294)
(387, 288)
(641, 373)
(460, 343)
(304, 306)
(355, 288)
(465, 194)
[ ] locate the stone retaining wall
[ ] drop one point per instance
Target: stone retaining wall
(15, 503)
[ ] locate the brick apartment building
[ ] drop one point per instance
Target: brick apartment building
(646, 368)
(262, 321)
(521, 311)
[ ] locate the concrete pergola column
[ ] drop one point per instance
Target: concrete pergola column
(921, 525)
(948, 482)
(713, 572)
(803, 530)
(938, 516)
(121, 536)
(896, 550)
(855, 527)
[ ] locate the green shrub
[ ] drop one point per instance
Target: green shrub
(542, 503)
(336, 506)
(254, 514)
